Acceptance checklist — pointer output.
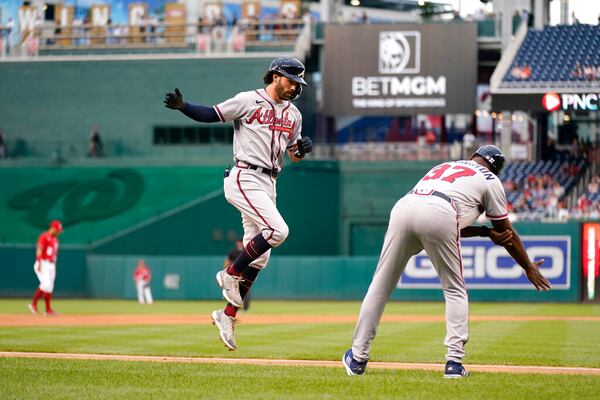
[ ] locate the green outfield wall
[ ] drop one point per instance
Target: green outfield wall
(294, 278)
(178, 219)
(18, 278)
(54, 104)
(308, 198)
(96, 203)
(82, 274)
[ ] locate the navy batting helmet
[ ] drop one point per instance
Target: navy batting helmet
(292, 69)
(493, 156)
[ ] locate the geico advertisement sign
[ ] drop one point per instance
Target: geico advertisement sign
(570, 101)
(487, 266)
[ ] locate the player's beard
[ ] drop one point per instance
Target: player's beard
(282, 93)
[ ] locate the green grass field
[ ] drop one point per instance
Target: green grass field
(539, 343)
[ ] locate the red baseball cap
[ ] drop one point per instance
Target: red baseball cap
(56, 225)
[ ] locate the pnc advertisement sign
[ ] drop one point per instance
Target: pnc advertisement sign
(400, 69)
(571, 101)
(487, 266)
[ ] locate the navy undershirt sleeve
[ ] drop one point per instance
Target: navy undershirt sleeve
(200, 113)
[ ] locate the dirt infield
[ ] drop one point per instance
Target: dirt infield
(307, 363)
(167, 319)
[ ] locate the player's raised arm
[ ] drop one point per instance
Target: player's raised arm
(517, 251)
(301, 148)
(174, 101)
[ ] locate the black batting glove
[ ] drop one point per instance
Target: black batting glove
(304, 147)
(174, 100)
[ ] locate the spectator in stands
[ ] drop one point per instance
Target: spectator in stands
(110, 32)
(96, 148)
(594, 185)
(307, 18)
(364, 18)
(589, 72)
(574, 18)
(430, 137)
(523, 72)
(583, 202)
(469, 139)
(10, 26)
(77, 31)
(557, 189)
(152, 24)
(201, 26)
(87, 29)
(563, 212)
(577, 72)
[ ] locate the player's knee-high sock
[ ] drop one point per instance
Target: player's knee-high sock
(38, 295)
(254, 249)
(48, 299)
(248, 278)
(230, 310)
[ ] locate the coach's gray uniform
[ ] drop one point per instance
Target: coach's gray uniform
(263, 129)
(424, 220)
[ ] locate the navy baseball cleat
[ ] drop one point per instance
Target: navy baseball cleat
(455, 370)
(352, 366)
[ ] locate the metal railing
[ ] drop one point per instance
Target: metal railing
(193, 37)
(382, 151)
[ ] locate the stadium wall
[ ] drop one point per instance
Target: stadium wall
(337, 212)
(308, 197)
(287, 277)
(311, 278)
(54, 104)
(18, 278)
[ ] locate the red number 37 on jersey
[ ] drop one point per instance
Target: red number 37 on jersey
(448, 173)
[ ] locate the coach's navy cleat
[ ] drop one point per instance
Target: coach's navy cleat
(352, 366)
(455, 370)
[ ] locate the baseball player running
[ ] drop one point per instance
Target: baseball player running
(433, 216)
(266, 124)
(45, 267)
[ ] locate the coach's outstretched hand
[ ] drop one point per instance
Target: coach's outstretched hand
(536, 278)
(174, 100)
(304, 146)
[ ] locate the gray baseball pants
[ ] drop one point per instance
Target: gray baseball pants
(418, 222)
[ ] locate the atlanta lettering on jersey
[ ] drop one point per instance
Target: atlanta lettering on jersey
(267, 117)
(489, 176)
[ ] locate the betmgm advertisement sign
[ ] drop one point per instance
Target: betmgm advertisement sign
(400, 69)
(487, 266)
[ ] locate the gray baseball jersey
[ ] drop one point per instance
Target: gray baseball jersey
(448, 198)
(473, 188)
(262, 128)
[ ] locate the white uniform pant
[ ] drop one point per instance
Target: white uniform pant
(253, 194)
(144, 294)
(416, 223)
(46, 276)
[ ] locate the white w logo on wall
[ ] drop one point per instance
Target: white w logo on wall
(399, 51)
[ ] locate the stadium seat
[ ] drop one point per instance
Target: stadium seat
(552, 54)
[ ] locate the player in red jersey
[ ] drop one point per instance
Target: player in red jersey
(45, 266)
(142, 277)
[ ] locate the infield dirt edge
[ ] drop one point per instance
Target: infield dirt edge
(513, 369)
